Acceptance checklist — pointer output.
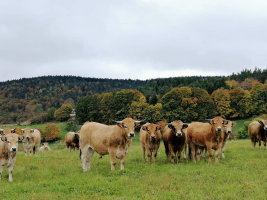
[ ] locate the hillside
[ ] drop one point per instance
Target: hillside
(22, 99)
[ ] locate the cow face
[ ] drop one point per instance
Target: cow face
(27, 133)
(218, 123)
(177, 127)
(263, 122)
(128, 125)
(228, 126)
(45, 145)
(12, 141)
(151, 130)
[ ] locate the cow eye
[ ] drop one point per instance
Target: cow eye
(8, 141)
(125, 126)
(147, 129)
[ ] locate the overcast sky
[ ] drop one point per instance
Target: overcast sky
(137, 39)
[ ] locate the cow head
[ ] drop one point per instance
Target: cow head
(151, 130)
(1, 131)
(228, 126)
(218, 123)
(177, 127)
(263, 122)
(128, 125)
(27, 133)
(12, 141)
(45, 145)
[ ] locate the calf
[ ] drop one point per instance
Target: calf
(113, 140)
(45, 147)
(31, 141)
(257, 132)
(72, 141)
(227, 131)
(210, 135)
(174, 139)
(8, 152)
(150, 137)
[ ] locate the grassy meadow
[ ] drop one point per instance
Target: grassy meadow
(58, 175)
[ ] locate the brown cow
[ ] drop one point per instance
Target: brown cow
(72, 141)
(257, 132)
(8, 152)
(31, 141)
(150, 137)
(45, 147)
(174, 139)
(210, 135)
(114, 140)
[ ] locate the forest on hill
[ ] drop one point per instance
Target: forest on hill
(38, 98)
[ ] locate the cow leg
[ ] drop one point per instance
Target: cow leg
(264, 143)
(10, 170)
(217, 153)
(210, 153)
(259, 143)
(253, 143)
(144, 153)
(122, 163)
(167, 151)
(155, 153)
(172, 154)
(25, 150)
(86, 157)
(1, 171)
(185, 146)
(113, 160)
(36, 149)
(198, 151)
(180, 149)
(149, 154)
(223, 149)
(193, 152)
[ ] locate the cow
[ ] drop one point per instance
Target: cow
(8, 152)
(210, 135)
(227, 130)
(72, 141)
(31, 141)
(45, 147)
(257, 131)
(114, 140)
(174, 139)
(150, 137)
(186, 144)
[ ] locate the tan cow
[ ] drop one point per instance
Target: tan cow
(114, 140)
(150, 137)
(257, 132)
(210, 135)
(174, 139)
(8, 152)
(45, 147)
(31, 141)
(72, 141)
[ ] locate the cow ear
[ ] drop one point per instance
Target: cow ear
(170, 126)
(137, 123)
(211, 121)
(21, 138)
(185, 125)
(120, 124)
(13, 130)
(260, 121)
(233, 123)
(22, 130)
(31, 130)
(3, 138)
(77, 136)
(158, 127)
(1, 131)
(144, 128)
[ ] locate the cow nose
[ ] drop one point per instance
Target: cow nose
(27, 137)
(265, 128)
(131, 134)
(229, 132)
(153, 137)
(219, 129)
(178, 134)
(14, 149)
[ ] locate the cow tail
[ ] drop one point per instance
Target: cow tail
(33, 150)
(80, 154)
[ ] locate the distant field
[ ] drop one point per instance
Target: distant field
(58, 175)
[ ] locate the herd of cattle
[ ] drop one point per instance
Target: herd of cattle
(116, 140)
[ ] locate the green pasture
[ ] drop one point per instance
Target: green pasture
(58, 175)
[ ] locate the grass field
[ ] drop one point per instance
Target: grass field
(58, 175)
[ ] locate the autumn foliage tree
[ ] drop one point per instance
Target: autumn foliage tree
(51, 132)
(222, 101)
(63, 113)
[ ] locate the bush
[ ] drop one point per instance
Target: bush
(51, 132)
(71, 126)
